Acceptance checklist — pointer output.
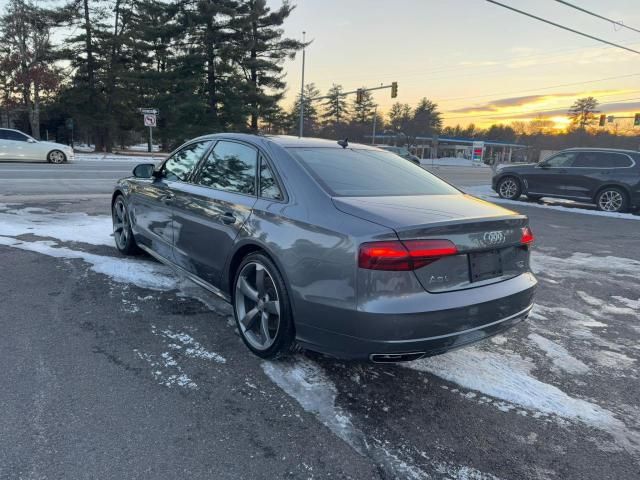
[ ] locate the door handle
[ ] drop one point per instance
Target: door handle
(228, 218)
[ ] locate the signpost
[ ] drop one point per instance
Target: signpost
(477, 151)
(149, 117)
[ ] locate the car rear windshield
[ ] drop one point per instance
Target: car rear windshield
(365, 173)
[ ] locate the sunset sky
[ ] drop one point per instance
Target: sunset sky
(481, 63)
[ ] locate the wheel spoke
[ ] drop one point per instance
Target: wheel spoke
(260, 279)
(250, 319)
(264, 328)
(272, 307)
(247, 290)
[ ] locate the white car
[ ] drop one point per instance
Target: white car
(18, 146)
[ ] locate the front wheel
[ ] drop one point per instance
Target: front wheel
(612, 199)
(261, 307)
(509, 188)
(56, 156)
(122, 233)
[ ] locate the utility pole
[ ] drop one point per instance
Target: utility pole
(300, 134)
(375, 118)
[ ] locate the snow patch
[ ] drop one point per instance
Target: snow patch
(559, 355)
(485, 192)
(166, 370)
(141, 273)
(192, 348)
(307, 383)
(634, 304)
(508, 377)
(66, 227)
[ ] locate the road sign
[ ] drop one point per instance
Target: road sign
(149, 120)
(477, 150)
(153, 111)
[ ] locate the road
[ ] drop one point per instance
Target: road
(83, 177)
(115, 368)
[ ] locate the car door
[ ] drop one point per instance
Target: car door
(17, 146)
(210, 211)
(592, 169)
(151, 201)
(548, 177)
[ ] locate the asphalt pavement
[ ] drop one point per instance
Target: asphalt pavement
(110, 372)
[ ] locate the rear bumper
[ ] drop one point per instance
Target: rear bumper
(428, 332)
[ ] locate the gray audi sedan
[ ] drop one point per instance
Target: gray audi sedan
(340, 248)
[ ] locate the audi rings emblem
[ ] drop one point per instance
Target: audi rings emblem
(493, 238)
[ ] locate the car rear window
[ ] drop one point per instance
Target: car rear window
(357, 172)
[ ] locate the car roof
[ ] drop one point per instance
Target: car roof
(588, 149)
(285, 141)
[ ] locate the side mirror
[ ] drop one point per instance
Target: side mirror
(32, 140)
(543, 165)
(144, 170)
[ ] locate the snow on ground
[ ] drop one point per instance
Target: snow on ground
(452, 162)
(67, 227)
(501, 378)
(485, 192)
(306, 382)
(559, 355)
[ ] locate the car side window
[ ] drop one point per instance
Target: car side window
(17, 136)
(231, 167)
(180, 165)
(268, 184)
(615, 160)
(562, 160)
(3, 134)
(587, 160)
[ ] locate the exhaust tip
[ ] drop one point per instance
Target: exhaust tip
(395, 357)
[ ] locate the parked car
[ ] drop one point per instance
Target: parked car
(403, 152)
(20, 147)
(607, 177)
(344, 249)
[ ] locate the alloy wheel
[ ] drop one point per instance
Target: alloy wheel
(120, 223)
(257, 305)
(56, 157)
(611, 201)
(508, 188)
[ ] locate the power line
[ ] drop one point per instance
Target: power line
(563, 27)
(615, 22)
(510, 115)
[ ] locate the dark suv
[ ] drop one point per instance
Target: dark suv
(607, 177)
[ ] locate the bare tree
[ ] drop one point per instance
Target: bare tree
(27, 60)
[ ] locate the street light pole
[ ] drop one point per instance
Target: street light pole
(375, 117)
(300, 134)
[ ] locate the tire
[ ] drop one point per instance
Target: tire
(262, 308)
(612, 199)
(122, 233)
(56, 156)
(509, 188)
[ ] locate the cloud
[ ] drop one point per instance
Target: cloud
(609, 108)
(496, 105)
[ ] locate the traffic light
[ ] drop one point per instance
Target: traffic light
(359, 95)
(636, 120)
(603, 118)
(394, 89)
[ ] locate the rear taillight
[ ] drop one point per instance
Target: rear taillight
(403, 256)
(527, 236)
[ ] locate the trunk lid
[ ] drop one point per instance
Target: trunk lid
(488, 237)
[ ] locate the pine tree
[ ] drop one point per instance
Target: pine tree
(363, 111)
(310, 116)
(261, 51)
(583, 112)
(335, 107)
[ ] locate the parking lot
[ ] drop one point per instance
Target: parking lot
(118, 368)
